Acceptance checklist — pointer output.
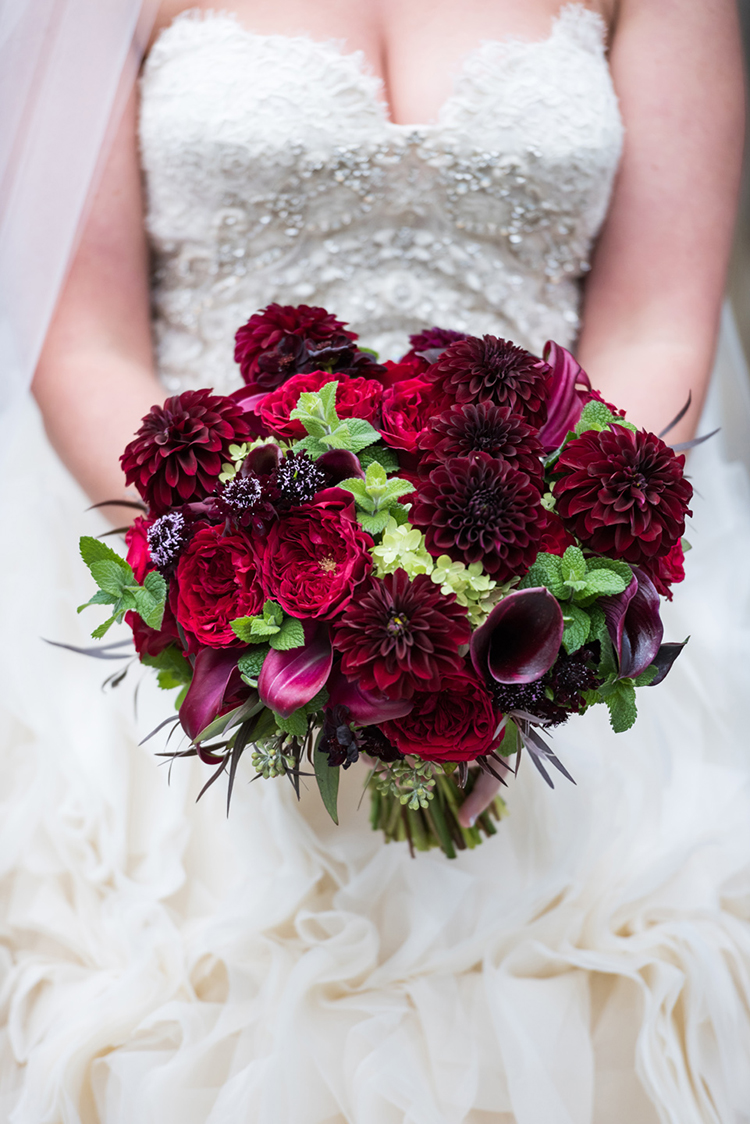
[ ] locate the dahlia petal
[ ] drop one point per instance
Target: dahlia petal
(520, 640)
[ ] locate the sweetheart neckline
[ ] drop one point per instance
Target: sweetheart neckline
(574, 8)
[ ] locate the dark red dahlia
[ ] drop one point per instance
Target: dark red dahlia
(434, 339)
(493, 370)
(485, 428)
(622, 493)
(478, 509)
(269, 347)
(177, 453)
(400, 636)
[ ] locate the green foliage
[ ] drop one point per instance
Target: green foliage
(297, 723)
(327, 777)
(576, 578)
(595, 415)
(621, 705)
(577, 627)
(174, 670)
(646, 678)
(250, 665)
(376, 498)
(384, 456)
(272, 626)
(316, 410)
(119, 589)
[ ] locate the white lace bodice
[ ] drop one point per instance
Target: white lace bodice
(273, 173)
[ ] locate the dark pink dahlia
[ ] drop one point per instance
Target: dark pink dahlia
(485, 428)
(177, 454)
(272, 345)
(434, 339)
(401, 636)
(622, 493)
(493, 370)
(478, 509)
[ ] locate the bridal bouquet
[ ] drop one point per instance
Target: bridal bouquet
(426, 563)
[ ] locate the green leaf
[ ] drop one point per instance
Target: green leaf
(295, 724)
(170, 663)
(604, 583)
(384, 455)
(546, 571)
(250, 665)
(577, 628)
(258, 629)
(374, 524)
(150, 599)
(622, 706)
(99, 598)
(573, 565)
(510, 743)
(595, 415)
(646, 678)
(328, 781)
(94, 550)
(110, 577)
(290, 635)
(399, 513)
(358, 489)
(313, 446)
(102, 629)
(353, 434)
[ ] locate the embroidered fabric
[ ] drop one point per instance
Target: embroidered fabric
(274, 173)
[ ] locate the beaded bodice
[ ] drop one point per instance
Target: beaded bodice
(274, 173)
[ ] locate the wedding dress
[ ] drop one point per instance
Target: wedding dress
(588, 965)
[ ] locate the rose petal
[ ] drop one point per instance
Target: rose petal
(290, 679)
(521, 638)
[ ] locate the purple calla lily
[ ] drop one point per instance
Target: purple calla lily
(520, 639)
(634, 625)
(564, 403)
(664, 659)
(290, 679)
(366, 708)
(205, 696)
(263, 459)
(340, 464)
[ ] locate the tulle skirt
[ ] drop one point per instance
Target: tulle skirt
(164, 963)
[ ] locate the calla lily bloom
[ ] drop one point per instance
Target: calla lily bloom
(634, 625)
(520, 639)
(664, 659)
(564, 403)
(290, 679)
(340, 464)
(366, 708)
(205, 696)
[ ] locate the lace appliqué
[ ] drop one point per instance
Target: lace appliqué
(274, 173)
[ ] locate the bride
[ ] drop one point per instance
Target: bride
(403, 165)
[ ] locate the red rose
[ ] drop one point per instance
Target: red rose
(555, 539)
(456, 723)
(316, 556)
(217, 580)
(666, 571)
(407, 407)
(138, 556)
(355, 398)
(410, 367)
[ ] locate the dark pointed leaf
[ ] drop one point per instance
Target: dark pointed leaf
(677, 418)
(327, 777)
(520, 639)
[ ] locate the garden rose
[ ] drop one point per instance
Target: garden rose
(217, 580)
(355, 398)
(407, 407)
(456, 723)
(138, 554)
(316, 556)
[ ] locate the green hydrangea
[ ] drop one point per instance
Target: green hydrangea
(402, 548)
(472, 587)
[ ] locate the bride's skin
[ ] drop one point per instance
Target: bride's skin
(653, 296)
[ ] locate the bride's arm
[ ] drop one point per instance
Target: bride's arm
(96, 378)
(654, 294)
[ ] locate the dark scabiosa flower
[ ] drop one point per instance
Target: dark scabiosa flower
(343, 744)
(566, 681)
(166, 536)
(246, 500)
(400, 636)
(177, 454)
(484, 428)
(297, 480)
(622, 493)
(493, 370)
(478, 509)
(270, 347)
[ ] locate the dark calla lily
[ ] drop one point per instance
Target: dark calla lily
(263, 460)
(290, 679)
(250, 402)
(205, 696)
(564, 403)
(664, 659)
(520, 639)
(634, 625)
(340, 464)
(366, 708)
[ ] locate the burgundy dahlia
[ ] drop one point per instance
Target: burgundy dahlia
(478, 509)
(435, 339)
(486, 428)
(401, 636)
(493, 370)
(622, 493)
(177, 453)
(269, 347)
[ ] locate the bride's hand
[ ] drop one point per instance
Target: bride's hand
(480, 797)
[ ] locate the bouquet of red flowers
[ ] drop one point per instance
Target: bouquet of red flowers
(427, 563)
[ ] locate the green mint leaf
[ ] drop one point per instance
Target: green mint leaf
(577, 628)
(358, 489)
(94, 550)
(99, 598)
(148, 608)
(399, 513)
(375, 477)
(595, 415)
(290, 635)
(376, 523)
(546, 571)
(272, 612)
(313, 446)
(353, 434)
(573, 567)
(102, 629)
(604, 583)
(327, 395)
(250, 664)
(296, 724)
(171, 662)
(394, 490)
(110, 577)
(328, 781)
(622, 706)
(385, 456)
(646, 678)
(614, 565)
(241, 627)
